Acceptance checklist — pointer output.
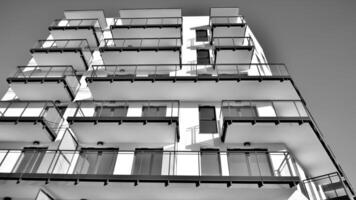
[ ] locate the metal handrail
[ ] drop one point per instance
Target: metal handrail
(56, 43)
(233, 41)
(62, 71)
(146, 20)
(176, 166)
(99, 104)
(301, 111)
(172, 70)
(229, 19)
(80, 22)
(139, 42)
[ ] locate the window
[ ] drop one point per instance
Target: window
(111, 111)
(96, 161)
(148, 161)
(201, 35)
(249, 162)
(154, 111)
(203, 57)
(207, 119)
(210, 162)
(239, 111)
(30, 160)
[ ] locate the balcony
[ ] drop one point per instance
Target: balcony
(88, 29)
(28, 121)
(276, 111)
(128, 81)
(74, 52)
(115, 122)
(169, 173)
(233, 43)
(45, 83)
(148, 50)
(233, 50)
(227, 21)
(329, 187)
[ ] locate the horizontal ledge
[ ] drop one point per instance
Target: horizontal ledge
(58, 49)
(165, 48)
(266, 119)
(291, 180)
(124, 119)
(218, 48)
(227, 24)
(74, 27)
(37, 79)
(185, 78)
(21, 119)
(147, 26)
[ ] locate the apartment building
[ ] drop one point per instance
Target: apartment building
(150, 104)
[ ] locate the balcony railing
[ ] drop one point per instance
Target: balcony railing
(62, 44)
(329, 186)
(42, 74)
(126, 111)
(76, 23)
(148, 22)
(194, 72)
(233, 42)
(32, 111)
(227, 21)
(232, 166)
(143, 43)
(263, 111)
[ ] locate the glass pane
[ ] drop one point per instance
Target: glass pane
(154, 111)
(210, 163)
(237, 163)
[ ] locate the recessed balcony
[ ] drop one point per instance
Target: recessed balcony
(45, 83)
(29, 121)
(74, 52)
(141, 51)
(88, 29)
(128, 81)
(330, 186)
(125, 121)
(113, 171)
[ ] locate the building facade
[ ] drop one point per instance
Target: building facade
(156, 105)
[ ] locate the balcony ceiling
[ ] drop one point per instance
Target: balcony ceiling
(147, 191)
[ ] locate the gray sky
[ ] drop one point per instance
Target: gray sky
(316, 39)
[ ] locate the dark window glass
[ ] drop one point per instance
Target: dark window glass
(249, 162)
(96, 161)
(210, 162)
(203, 57)
(30, 160)
(154, 111)
(201, 35)
(207, 119)
(111, 111)
(148, 161)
